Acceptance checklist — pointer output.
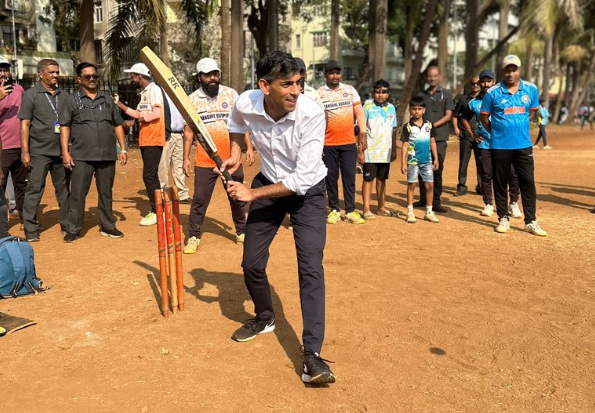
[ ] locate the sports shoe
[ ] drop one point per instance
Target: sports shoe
(534, 228)
(112, 233)
(70, 238)
(316, 371)
(411, 218)
(430, 216)
(240, 239)
(191, 245)
(461, 192)
(547, 147)
(252, 328)
(354, 218)
(13, 212)
(535, 147)
(333, 217)
(149, 219)
(359, 169)
(488, 211)
(514, 210)
(503, 225)
(32, 237)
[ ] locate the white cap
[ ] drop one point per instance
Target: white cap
(206, 65)
(139, 69)
(4, 61)
(511, 60)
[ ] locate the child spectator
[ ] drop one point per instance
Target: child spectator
(419, 157)
(381, 148)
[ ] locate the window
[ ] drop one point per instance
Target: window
(98, 12)
(99, 51)
(347, 73)
(7, 35)
(298, 41)
(319, 39)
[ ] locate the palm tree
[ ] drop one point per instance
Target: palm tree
(87, 37)
(237, 46)
(379, 30)
(335, 26)
(443, 33)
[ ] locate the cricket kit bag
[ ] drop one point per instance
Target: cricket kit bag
(17, 268)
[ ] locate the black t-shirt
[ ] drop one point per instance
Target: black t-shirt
(462, 111)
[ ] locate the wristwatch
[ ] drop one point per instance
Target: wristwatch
(123, 151)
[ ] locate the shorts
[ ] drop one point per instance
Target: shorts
(425, 170)
(376, 170)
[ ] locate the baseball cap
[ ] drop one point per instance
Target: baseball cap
(139, 69)
(300, 63)
(206, 65)
(332, 64)
(4, 61)
(511, 60)
(487, 73)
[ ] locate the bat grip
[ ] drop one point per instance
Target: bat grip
(227, 176)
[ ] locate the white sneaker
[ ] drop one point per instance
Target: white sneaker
(240, 239)
(149, 219)
(191, 245)
(547, 147)
(535, 147)
(514, 210)
(430, 216)
(503, 225)
(411, 218)
(488, 211)
(534, 228)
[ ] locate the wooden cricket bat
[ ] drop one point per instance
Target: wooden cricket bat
(176, 93)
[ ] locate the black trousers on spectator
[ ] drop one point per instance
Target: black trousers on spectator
(308, 218)
(11, 162)
(151, 157)
(522, 160)
(3, 214)
(80, 182)
(540, 135)
(40, 166)
(204, 183)
(340, 158)
(486, 180)
(466, 147)
(441, 149)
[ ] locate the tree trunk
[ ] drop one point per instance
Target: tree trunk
(86, 32)
(575, 102)
(225, 42)
(472, 38)
(502, 31)
(415, 68)
(335, 7)
(237, 46)
(273, 31)
(372, 35)
(408, 50)
(163, 49)
(558, 105)
(585, 87)
(547, 63)
(380, 40)
(443, 32)
(528, 72)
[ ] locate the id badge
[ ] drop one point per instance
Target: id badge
(56, 127)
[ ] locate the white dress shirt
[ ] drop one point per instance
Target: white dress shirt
(291, 148)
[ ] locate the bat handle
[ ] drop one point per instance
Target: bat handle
(227, 176)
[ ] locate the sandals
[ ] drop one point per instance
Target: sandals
(369, 215)
(388, 213)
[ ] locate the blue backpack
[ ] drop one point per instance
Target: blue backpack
(17, 268)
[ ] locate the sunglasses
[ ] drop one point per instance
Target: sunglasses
(474, 84)
(89, 77)
(381, 91)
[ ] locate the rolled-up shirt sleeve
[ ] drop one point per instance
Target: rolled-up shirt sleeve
(236, 122)
(309, 154)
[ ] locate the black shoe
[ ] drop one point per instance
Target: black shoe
(440, 209)
(69, 238)
(32, 237)
(112, 233)
(461, 192)
(252, 328)
(419, 204)
(186, 201)
(316, 371)
(478, 190)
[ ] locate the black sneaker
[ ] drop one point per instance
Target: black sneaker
(316, 371)
(252, 328)
(69, 238)
(461, 192)
(32, 237)
(440, 209)
(112, 233)
(419, 204)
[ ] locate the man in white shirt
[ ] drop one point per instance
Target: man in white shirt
(288, 131)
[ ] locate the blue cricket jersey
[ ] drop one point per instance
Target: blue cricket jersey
(475, 107)
(510, 114)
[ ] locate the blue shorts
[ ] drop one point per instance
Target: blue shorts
(425, 170)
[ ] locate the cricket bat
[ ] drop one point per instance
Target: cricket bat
(176, 93)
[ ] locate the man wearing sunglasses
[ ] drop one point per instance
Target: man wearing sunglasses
(90, 124)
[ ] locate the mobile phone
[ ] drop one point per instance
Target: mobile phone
(7, 81)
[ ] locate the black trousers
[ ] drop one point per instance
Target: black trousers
(340, 158)
(80, 182)
(466, 147)
(522, 160)
(11, 162)
(3, 214)
(40, 166)
(486, 180)
(204, 183)
(151, 157)
(308, 218)
(441, 149)
(540, 135)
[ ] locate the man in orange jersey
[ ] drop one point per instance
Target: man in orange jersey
(213, 102)
(151, 137)
(341, 104)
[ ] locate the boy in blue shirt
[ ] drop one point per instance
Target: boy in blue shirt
(381, 148)
(419, 157)
(542, 117)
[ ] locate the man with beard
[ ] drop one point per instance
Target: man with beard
(151, 137)
(91, 123)
(40, 146)
(506, 112)
(213, 102)
(11, 96)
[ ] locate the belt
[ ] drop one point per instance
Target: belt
(176, 131)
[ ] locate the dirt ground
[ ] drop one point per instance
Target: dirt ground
(420, 318)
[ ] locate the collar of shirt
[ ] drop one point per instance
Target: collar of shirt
(41, 89)
(438, 90)
(258, 109)
(82, 94)
(203, 95)
(341, 86)
(412, 123)
(505, 89)
(147, 87)
(380, 104)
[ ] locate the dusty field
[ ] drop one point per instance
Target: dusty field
(420, 318)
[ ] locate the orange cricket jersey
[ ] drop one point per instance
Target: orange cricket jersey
(151, 133)
(338, 105)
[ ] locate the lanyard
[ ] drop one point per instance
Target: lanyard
(54, 108)
(441, 96)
